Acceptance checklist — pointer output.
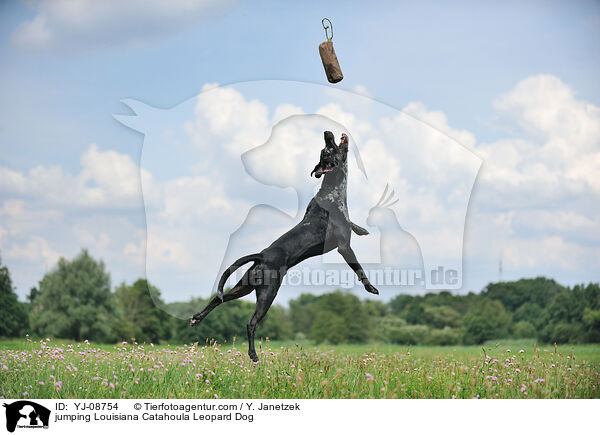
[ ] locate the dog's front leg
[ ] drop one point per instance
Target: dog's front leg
(350, 258)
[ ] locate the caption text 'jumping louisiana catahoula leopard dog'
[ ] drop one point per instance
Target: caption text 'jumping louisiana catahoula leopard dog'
(325, 226)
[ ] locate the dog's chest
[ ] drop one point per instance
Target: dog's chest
(334, 199)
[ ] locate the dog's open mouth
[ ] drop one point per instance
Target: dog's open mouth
(322, 171)
(330, 157)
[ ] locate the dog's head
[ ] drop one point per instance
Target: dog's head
(332, 155)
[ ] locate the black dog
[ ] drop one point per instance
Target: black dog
(325, 226)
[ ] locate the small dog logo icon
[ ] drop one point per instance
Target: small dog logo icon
(26, 414)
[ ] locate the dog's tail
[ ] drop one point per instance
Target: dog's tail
(236, 264)
(358, 230)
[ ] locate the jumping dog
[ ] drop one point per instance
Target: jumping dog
(324, 227)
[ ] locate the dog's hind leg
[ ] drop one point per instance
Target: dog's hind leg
(240, 290)
(352, 261)
(264, 298)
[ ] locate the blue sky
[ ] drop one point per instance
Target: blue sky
(491, 69)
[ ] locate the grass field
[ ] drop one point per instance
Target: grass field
(56, 368)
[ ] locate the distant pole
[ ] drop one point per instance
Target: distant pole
(500, 270)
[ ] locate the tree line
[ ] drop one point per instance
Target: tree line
(75, 301)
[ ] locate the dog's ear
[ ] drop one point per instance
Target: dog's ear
(330, 139)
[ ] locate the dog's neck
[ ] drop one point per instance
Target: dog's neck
(332, 194)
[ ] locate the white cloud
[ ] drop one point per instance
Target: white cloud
(166, 250)
(560, 156)
(35, 249)
(585, 168)
(93, 239)
(12, 207)
(545, 181)
(107, 180)
(548, 252)
(438, 120)
(570, 225)
(224, 116)
(290, 153)
(112, 172)
(90, 23)
(135, 253)
(3, 234)
(359, 128)
(362, 90)
(286, 110)
(546, 107)
(20, 219)
(180, 204)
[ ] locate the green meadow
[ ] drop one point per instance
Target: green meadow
(57, 368)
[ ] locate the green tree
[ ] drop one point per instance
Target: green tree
(513, 294)
(487, 320)
(524, 329)
(443, 337)
(13, 315)
(398, 304)
(328, 327)
(140, 313)
(414, 313)
(340, 317)
(33, 293)
(227, 321)
(409, 334)
(74, 300)
(302, 313)
(387, 327)
(563, 318)
(591, 312)
(591, 320)
(276, 324)
(565, 332)
(223, 324)
(529, 312)
(410, 308)
(441, 316)
(376, 308)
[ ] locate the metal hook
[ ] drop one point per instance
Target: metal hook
(329, 38)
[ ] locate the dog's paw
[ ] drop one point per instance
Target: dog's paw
(369, 287)
(253, 356)
(195, 319)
